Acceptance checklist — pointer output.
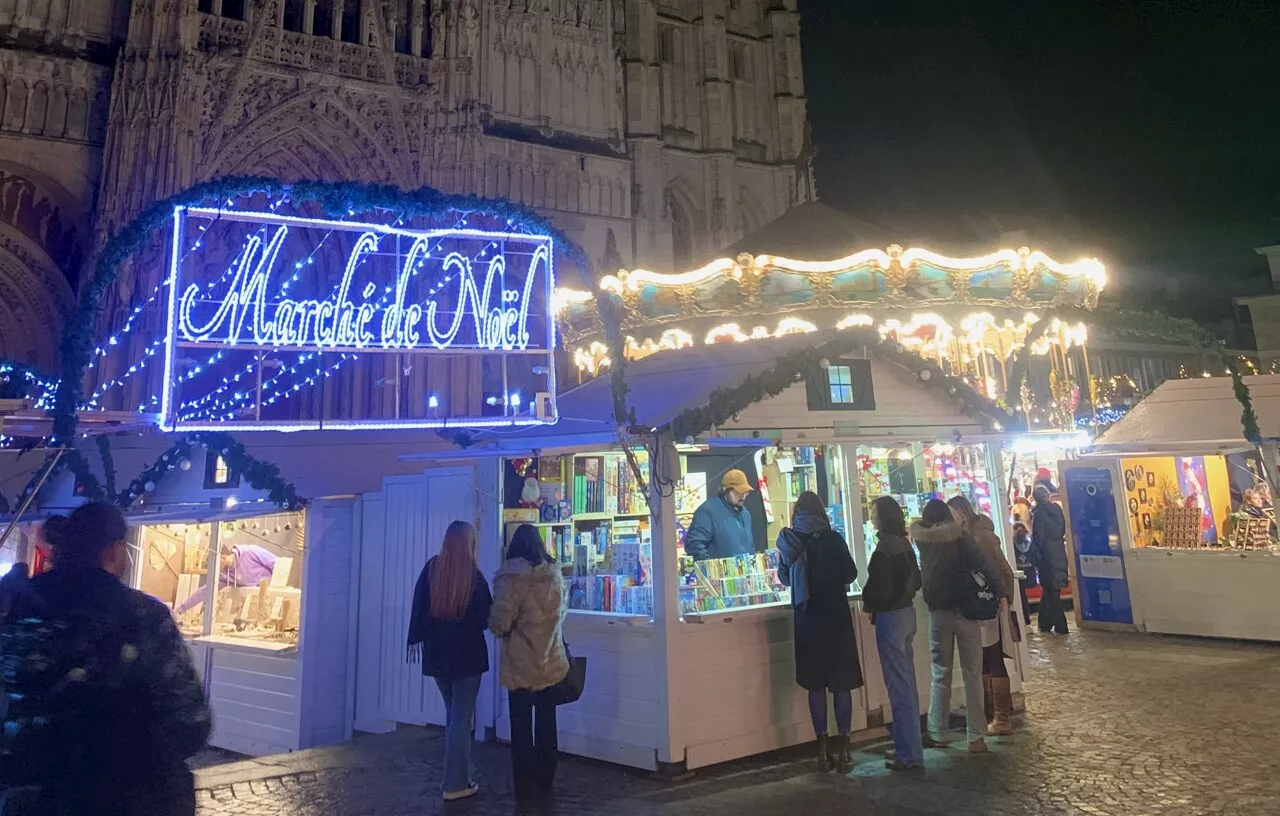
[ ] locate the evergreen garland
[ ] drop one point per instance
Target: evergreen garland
(334, 199)
(793, 366)
(260, 475)
(1248, 419)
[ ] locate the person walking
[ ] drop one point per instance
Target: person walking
(1049, 554)
(947, 554)
(1022, 551)
(893, 578)
(14, 588)
(997, 640)
(114, 742)
(528, 616)
(816, 564)
(451, 605)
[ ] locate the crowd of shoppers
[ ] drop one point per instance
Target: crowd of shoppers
(117, 741)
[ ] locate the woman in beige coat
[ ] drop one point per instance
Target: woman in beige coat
(996, 636)
(528, 613)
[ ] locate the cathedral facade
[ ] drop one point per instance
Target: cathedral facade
(652, 132)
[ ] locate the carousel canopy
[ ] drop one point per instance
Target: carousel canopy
(1201, 412)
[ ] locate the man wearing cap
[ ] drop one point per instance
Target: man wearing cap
(721, 527)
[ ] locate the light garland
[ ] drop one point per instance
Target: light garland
(1019, 260)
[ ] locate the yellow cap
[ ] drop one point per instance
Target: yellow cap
(735, 480)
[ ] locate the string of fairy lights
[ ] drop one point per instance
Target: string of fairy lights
(209, 407)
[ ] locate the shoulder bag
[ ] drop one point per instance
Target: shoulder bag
(569, 690)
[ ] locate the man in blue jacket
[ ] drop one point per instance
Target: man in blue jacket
(721, 527)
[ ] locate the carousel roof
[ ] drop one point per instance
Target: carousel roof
(812, 230)
(1199, 412)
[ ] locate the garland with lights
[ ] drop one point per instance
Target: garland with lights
(1141, 325)
(260, 475)
(334, 199)
(795, 365)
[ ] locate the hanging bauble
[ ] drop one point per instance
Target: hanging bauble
(185, 464)
(926, 375)
(149, 486)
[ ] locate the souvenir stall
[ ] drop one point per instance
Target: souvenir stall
(691, 660)
(1171, 515)
(259, 590)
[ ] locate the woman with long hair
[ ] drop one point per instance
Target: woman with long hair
(528, 616)
(893, 578)
(947, 554)
(451, 605)
(997, 640)
(816, 564)
(116, 741)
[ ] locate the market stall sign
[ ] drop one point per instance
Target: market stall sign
(278, 285)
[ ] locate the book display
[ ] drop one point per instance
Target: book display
(731, 583)
(592, 514)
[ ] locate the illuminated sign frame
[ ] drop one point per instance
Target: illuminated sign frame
(246, 314)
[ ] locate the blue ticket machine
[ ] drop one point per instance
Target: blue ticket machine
(1102, 586)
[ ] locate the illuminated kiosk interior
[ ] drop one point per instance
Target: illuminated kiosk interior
(692, 657)
(1188, 542)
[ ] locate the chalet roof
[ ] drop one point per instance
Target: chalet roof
(1202, 412)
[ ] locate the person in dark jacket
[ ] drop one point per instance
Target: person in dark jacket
(947, 554)
(893, 579)
(1049, 554)
(15, 586)
(450, 614)
(721, 526)
(1022, 551)
(142, 712)
(816, 564)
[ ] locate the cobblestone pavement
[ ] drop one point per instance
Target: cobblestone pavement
(1116, 724)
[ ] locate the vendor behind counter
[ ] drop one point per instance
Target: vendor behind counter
(722, 525)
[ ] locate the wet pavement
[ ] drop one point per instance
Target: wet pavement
(1116, 724)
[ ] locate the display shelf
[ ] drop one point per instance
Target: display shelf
(607, 516)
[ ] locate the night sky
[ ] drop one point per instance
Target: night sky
(1145, 133)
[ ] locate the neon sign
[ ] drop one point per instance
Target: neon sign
(375, 288)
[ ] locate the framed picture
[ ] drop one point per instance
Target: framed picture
(1133, 507)
(1142, 495)
(1146, 521)
(1151, 479)
(1140, 472)
(1130, 484)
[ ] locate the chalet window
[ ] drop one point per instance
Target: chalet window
(233, 9)
(844, 385)
(322, 21)
(218, 473)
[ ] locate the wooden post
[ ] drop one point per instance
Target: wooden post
(664, 476)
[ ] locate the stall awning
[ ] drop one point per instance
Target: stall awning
(661, 386)
(1201, 412)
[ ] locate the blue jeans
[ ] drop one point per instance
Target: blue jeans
(894, 633)
(459, 695)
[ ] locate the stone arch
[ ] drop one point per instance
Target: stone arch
(751, 213)
(686, 220)
(323, 129)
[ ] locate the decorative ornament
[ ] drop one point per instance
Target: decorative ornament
(184, 465)
(149, 486)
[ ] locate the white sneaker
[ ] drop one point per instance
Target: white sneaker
(465, 793)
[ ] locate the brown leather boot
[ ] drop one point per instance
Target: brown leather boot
(1002, 701)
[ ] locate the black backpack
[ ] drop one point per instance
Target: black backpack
(978, 600)
(54, 676)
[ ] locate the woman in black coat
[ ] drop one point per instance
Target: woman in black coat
(451, 604)
(816, 564)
